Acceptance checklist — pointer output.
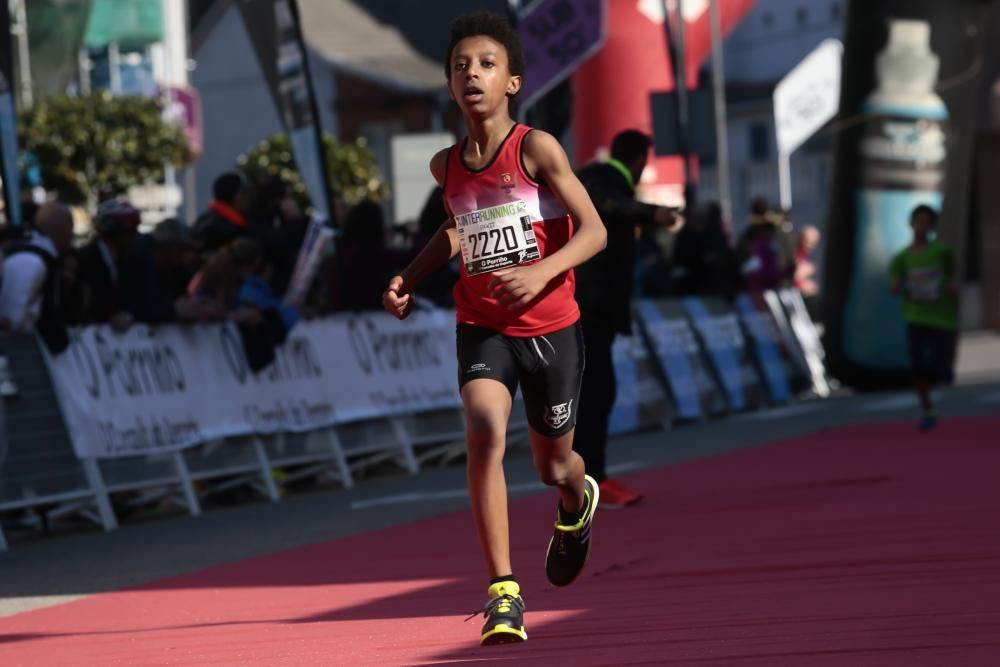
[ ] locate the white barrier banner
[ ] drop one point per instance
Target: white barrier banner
(153, 390)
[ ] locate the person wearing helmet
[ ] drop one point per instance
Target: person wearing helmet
(116, 226)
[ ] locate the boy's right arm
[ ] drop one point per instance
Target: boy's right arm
(438, 251)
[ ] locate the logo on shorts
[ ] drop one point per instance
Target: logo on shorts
(508, 182)
(557, 415)
(478, 368)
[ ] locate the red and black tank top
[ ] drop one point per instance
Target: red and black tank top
(506, 219)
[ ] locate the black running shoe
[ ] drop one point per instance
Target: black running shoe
(570, 545)
(504, 615)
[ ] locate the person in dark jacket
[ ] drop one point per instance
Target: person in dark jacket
(276, 220)
(364, 261)
(705, 263)
(155, 276)
(604, 287)
(225, 219)
(98, 289)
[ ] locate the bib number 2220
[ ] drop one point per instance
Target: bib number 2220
(496, 238)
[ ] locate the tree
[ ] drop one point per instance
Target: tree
(94, 147)
(352, 168)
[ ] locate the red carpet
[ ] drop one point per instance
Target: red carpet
(861, 546)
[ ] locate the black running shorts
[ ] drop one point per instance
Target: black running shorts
(932, 353)
(549, 369)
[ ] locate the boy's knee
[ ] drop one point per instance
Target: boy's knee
(486, 436)
(553, 472)
(485, 427)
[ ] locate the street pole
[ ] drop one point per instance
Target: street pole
(23, 55)
(678, 61)
(785, 179)
(721, 126)
(175, 73)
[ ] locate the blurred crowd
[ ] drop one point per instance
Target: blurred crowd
(235, 262)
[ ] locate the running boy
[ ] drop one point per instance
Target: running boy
(923, 274)
(522, 221)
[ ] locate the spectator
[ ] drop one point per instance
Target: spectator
(765, 263)
(236, 280)
(155, 276)
(364, 263)
(604, 287)
(225, 218)
(30, 294)
(276, 220)
(805, 269)
(221, 277)
(653, 266)
(98, 287)
(706, 264)
(262, 337)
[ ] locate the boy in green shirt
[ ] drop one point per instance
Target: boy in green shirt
(923, 274)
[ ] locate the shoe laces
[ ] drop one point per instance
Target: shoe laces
(501, 604)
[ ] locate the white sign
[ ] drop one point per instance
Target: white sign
(808, 96)
(411, 179)
(155, 195)
(318, 238)
(148, 391)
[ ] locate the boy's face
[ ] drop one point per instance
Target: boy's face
(480, 75)
(921, 224)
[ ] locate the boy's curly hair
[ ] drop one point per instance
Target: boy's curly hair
(490, 25)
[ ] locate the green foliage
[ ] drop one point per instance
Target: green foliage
(97, 146)
(352, 168)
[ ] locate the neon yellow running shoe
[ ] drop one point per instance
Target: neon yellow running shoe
(504, 615)
(570, 545)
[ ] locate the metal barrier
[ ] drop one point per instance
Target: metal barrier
(674, 369)
(40, 470)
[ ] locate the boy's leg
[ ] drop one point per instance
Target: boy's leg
(551, 374)
(487, 409)
(559, 466)
(920, 340)
(488, 380)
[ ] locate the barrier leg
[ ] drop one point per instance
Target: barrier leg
(265, 469)
(104, 509)
(187, 487)
(343, 470)
(409, 458)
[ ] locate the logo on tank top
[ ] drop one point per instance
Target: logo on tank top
(508, 182)
(557, 415)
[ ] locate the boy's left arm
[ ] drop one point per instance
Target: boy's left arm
(543, 156)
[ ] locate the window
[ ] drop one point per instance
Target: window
(760, 144)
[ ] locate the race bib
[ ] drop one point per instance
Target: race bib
(924, 284)
(499, 237)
